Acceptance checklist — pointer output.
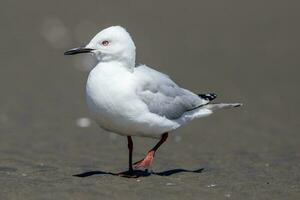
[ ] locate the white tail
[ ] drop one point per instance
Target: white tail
(218, 106)
(204, 111)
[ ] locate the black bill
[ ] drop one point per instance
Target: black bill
(78, 50)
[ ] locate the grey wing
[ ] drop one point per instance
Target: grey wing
(164, 97)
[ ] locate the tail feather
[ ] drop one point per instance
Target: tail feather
(218, 106)
(204, 111)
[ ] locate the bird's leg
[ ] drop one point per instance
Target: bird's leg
(147, 161)
(130, 173)
(130, 148)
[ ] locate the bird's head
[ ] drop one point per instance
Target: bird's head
(111, 44)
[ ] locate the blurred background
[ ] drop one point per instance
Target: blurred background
(245, 51)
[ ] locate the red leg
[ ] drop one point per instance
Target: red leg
(147, 161)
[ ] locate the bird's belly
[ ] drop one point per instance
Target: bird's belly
(109, 114)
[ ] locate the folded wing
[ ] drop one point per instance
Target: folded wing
(164, 97)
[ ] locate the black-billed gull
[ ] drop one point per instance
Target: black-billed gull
(135, 100)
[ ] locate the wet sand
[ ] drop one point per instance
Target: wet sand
(243, 51)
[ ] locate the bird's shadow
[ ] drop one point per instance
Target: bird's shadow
(141, 173)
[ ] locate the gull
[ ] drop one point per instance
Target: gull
(136, 100)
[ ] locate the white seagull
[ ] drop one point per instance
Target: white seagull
(135, 100)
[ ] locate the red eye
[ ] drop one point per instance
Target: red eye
(105, 43)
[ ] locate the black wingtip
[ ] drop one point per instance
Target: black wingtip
(208, 96)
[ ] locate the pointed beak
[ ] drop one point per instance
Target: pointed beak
(78, 50)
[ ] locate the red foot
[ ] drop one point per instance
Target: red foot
(146, 162)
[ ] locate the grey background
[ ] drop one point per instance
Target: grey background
(245, 51)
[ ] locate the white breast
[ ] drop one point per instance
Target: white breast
(111, 97)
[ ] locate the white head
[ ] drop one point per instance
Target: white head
(111, 44)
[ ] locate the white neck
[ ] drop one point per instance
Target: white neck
(126, 60)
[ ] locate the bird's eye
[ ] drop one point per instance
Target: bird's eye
(105, 43)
